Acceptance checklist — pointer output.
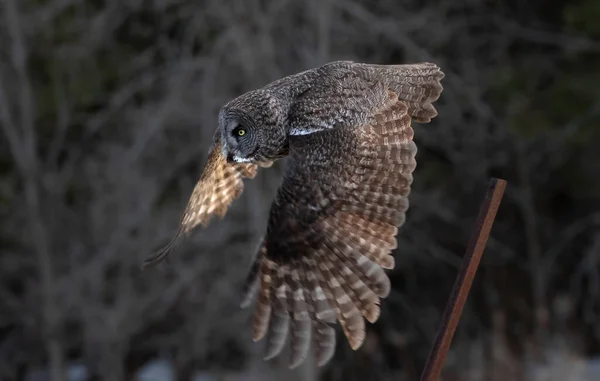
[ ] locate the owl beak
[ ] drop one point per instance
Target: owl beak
(230, 157)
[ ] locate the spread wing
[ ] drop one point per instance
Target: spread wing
(331, 231)
(219, 185)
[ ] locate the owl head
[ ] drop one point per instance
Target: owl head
(253, 127)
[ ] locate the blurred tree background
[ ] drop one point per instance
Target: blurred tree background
(107, 108)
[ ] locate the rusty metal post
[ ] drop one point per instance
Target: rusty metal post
(454, 307)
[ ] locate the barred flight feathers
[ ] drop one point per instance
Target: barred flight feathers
(346, 130)
(219, 185)
(331, 232)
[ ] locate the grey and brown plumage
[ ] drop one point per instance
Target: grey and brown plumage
(346, 130)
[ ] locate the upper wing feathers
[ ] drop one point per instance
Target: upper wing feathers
(418, 85)
(347, 93)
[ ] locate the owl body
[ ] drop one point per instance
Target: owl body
(315, 171)
(346, 130)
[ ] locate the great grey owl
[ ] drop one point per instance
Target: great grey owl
(346, 130)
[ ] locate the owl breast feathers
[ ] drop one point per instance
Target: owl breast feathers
(333, 223)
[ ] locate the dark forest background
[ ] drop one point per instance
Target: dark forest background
(107, 108)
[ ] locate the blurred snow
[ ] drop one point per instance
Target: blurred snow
(156, 370)
(75, 372)
(593, 369)
(565, 366)
(561, 366)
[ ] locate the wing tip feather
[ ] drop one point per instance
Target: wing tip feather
(161, 254)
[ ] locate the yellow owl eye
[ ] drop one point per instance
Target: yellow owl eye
(241, 132)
